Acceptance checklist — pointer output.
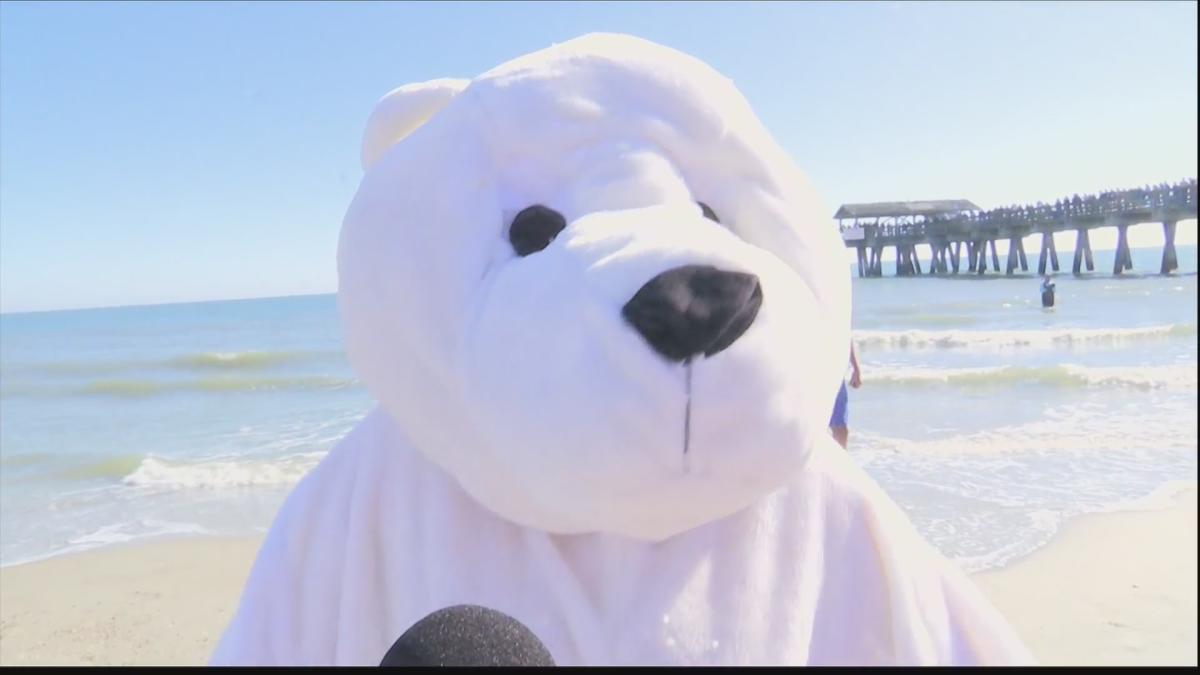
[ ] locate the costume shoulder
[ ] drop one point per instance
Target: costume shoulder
(925, 607)
(289, 612)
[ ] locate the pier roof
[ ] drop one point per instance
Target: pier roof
(895, 209)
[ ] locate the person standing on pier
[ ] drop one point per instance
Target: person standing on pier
(837, 422)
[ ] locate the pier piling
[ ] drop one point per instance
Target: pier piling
(1169, 260)
(1044, 253)
(1083, 251)
(1122, 260)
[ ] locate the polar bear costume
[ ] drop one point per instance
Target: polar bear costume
(605, 319)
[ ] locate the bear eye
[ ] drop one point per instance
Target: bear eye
(534, 228)
(708, 212)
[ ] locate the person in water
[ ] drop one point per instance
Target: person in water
(1048, 292)
(837, 422)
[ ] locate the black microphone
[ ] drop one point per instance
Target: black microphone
(468, 635)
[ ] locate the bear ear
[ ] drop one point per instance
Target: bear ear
(403, 110)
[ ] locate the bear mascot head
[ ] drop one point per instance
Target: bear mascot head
(591, 287)
(605, 318)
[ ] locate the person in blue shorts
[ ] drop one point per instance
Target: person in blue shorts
(837, 422)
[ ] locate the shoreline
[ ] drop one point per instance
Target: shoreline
(1162, 498)
(1111, 588)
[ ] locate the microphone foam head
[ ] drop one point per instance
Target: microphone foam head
(468, 635)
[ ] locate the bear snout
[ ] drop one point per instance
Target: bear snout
(694, 309)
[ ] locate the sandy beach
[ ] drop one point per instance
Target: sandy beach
(1111, 589)
(162, 603)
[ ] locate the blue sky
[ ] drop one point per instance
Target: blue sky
(158, 152)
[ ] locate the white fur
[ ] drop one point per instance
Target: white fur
(528, 454)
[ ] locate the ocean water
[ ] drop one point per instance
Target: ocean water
(988, 419)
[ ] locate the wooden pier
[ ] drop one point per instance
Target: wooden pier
(951, 227)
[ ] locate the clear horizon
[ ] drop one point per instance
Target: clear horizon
(162, 153)
(888, 257)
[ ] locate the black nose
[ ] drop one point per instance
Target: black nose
(694, 309)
